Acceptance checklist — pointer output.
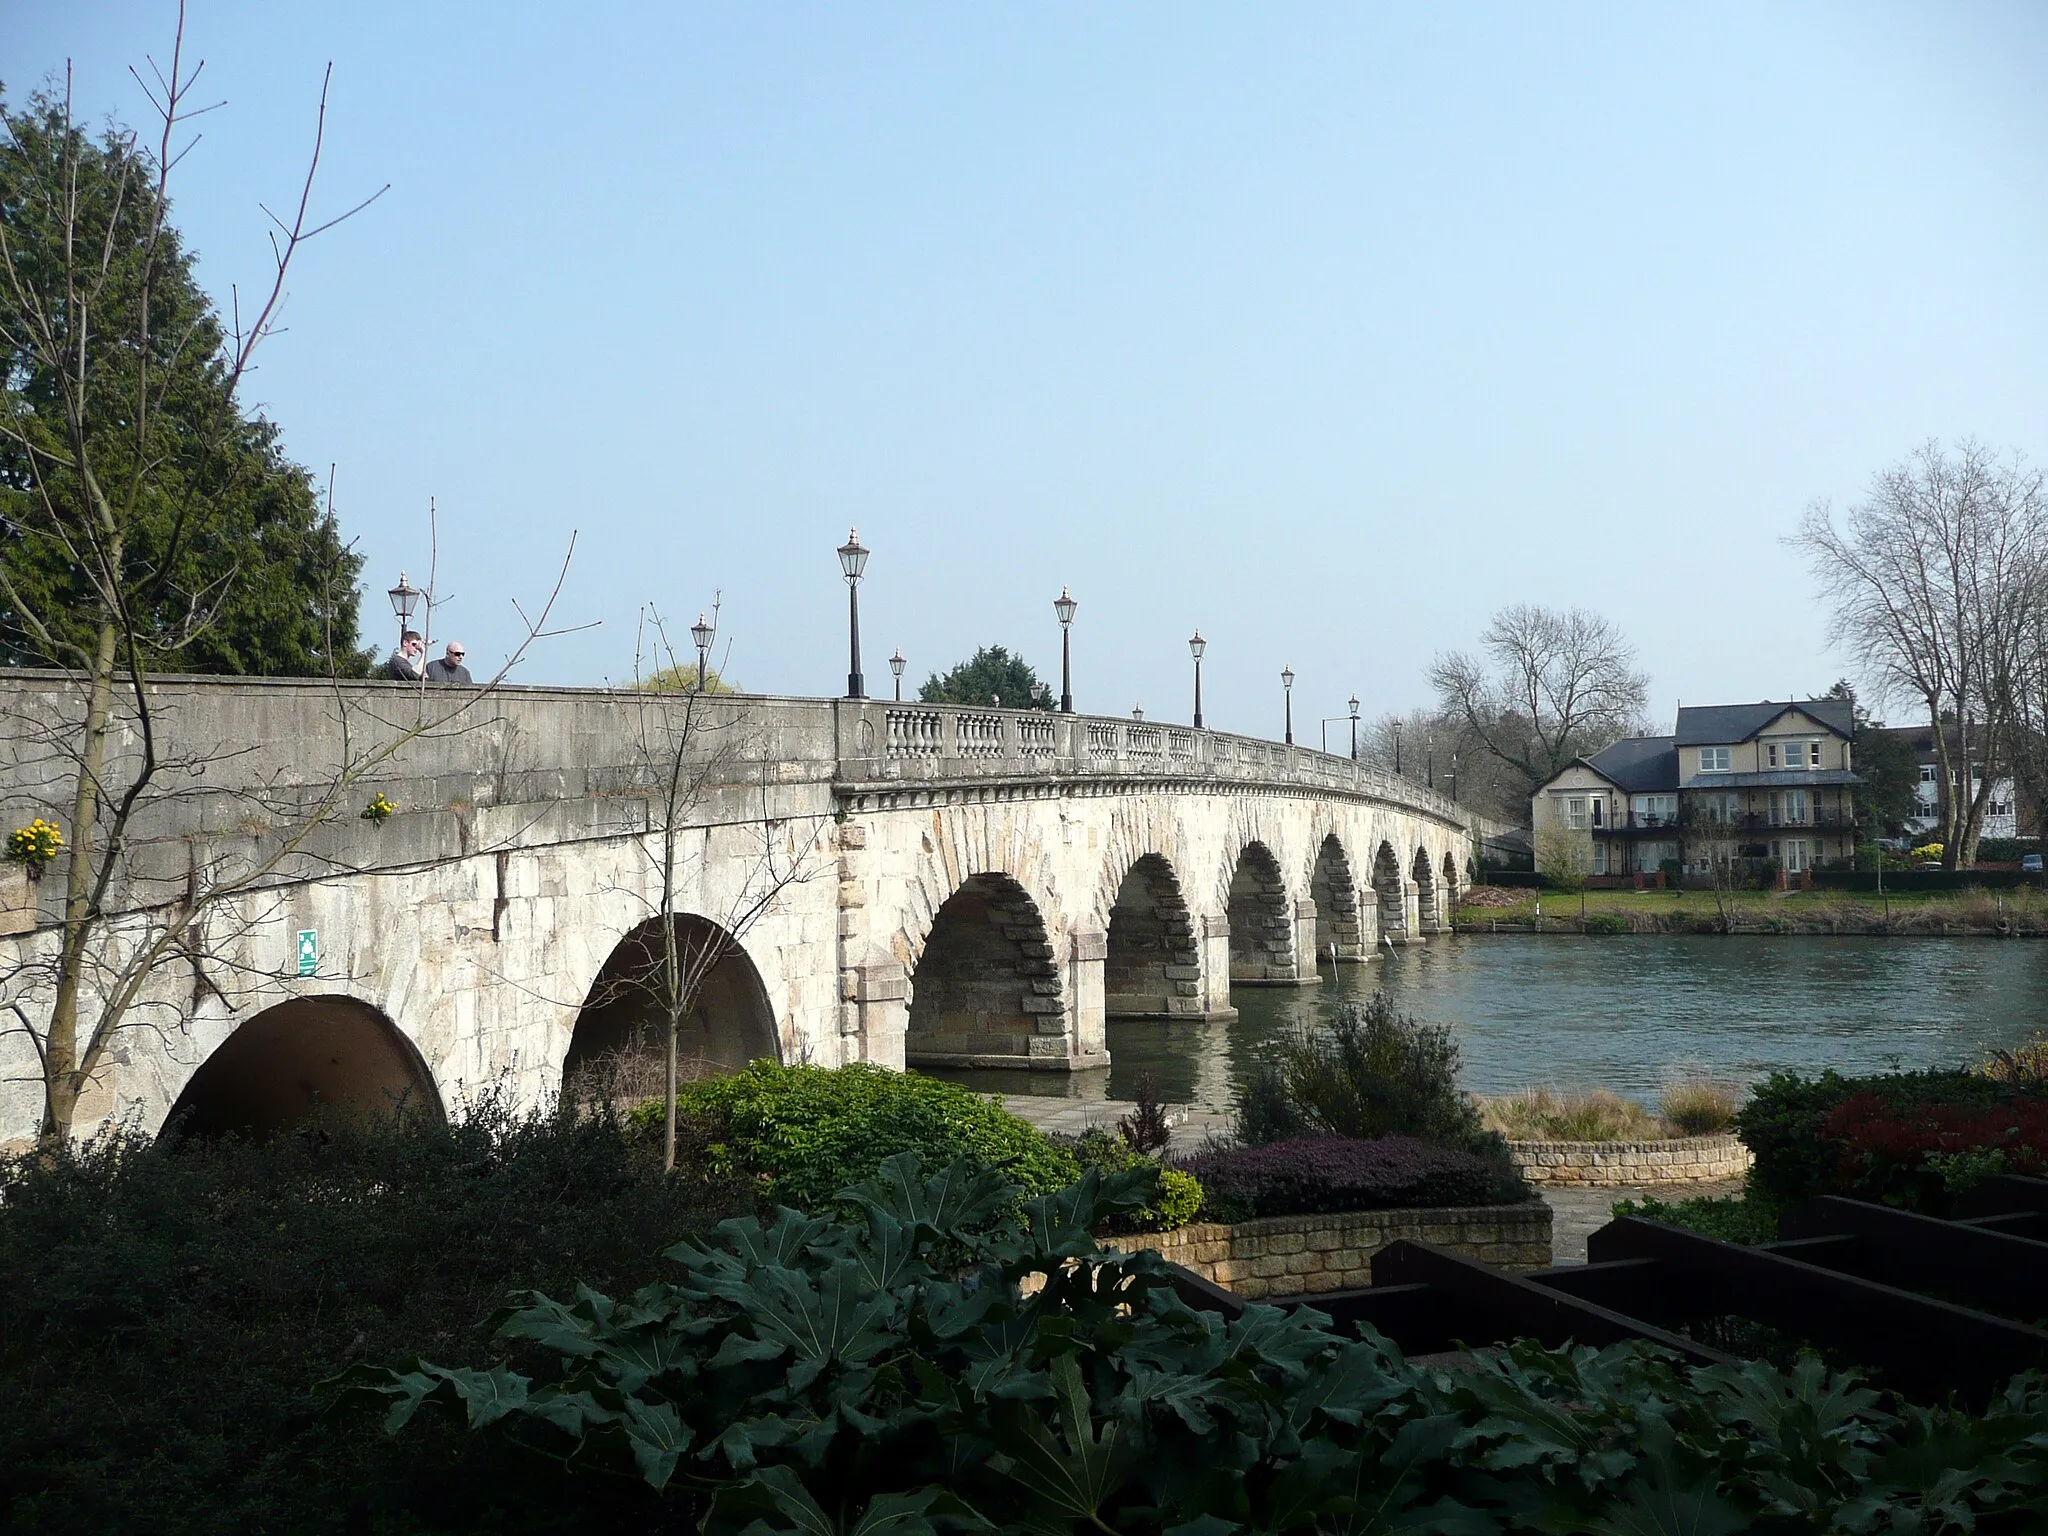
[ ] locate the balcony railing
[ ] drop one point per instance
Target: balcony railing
(1741, 823)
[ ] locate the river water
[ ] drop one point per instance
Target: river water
(1622, 1013)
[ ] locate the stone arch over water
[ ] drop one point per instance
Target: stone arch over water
(986, 986)
(619, 1048)
(1425, 891)
(1153, 965)
(1448, 893)
(305, 1058)
(1386, 884)
(1339, 933)
(1261, 916)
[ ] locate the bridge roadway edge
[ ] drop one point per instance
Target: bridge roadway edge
(522, 827)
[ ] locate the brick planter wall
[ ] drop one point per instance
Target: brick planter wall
(1683, 1160)
(1296, 1255)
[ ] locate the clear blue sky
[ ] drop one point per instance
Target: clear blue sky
(1328, 329)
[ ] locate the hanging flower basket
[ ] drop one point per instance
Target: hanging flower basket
(35, 845)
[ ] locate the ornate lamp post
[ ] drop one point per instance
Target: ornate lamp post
(703, 634)
(1038, 695)
(1064, 607)
(1397, 749)
(1287, 689)
(404, 598)
(1195, 648)
(1454, 775)
(1353, 702)
(896, 666)
(1137, 711)
(853, 560)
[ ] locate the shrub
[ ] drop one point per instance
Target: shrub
(167, 1313)
(1313, 1175)
(1376, 1072)
(1179, 1197)
(1606, 922)
(1698, 1106)
(1732, 1218)
(812, 1131)
(1874, 1137)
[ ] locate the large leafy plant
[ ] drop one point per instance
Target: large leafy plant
(939, 1364)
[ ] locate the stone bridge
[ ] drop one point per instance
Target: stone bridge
(897, 883)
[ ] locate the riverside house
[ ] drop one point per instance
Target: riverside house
(1754, 787)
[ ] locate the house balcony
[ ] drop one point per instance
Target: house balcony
(1746, 824)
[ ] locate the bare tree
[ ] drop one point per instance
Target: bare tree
(1547, 687)
(1935, 580)
(707, 779)
(94, 456)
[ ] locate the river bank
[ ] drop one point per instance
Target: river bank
(2021, 913)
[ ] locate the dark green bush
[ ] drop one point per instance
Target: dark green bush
(1180, 1192)
(1732, 1218)
(810, 1375)
(1785, 1123)
(812, 1131)
(165, 1314)
(1606, 922)
(1375, 1072)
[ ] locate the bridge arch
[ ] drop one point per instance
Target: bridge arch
(1153, 962)
(1261, 917)
(1451, 886)
(303, 1058)
(619, 1047)
(986, 989)
(1339, 931)
(1387, 886)
(1426, 914)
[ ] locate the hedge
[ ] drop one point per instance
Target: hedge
(1312, 1175)
(1912, 1139)
(812, 1131)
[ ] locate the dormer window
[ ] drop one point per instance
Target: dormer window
(1715, 759)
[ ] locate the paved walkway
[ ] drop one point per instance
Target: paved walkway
(1575, 1214)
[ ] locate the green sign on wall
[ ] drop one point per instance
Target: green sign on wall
(309, 951)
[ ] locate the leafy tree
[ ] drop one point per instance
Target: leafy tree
(991, 673)
(682, 678)
(135, 492)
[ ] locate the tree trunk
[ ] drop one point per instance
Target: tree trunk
(64, 1072)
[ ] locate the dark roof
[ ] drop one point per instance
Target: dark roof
(1724, 724)
(1639, 764)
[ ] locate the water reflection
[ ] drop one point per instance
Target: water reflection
(1623, 1013)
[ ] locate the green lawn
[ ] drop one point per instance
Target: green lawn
(1651, 910)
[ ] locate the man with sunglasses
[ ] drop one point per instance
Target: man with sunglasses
(449, 669)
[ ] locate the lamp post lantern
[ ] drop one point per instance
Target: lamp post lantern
(1137, 711)
(405, 597)
(896, 664)
(1195, 648)
(853, 560)
(1038, 695)
(1064, 607)
(1397, 749)
(1353, 702)
(1287, 690)
(703, 634)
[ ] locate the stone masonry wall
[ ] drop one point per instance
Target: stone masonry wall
(1304, 1255)
(1681, 1160)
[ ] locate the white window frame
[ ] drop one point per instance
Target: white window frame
(1798, 858)
(1717, 760)
(1571, 811)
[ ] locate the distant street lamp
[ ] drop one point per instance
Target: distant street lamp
(703, 633)
(1039, 691)
(1195, 648)
(1397, 749)
(896, 666)
(404, 598)
(1454, 775)
(1137, 711)
(853, 560)
(1287, 689)
(1064, 606)
(1353, 702)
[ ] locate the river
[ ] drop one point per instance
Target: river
(1621, 1013)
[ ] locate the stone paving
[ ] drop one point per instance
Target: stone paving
(1575, 1213)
